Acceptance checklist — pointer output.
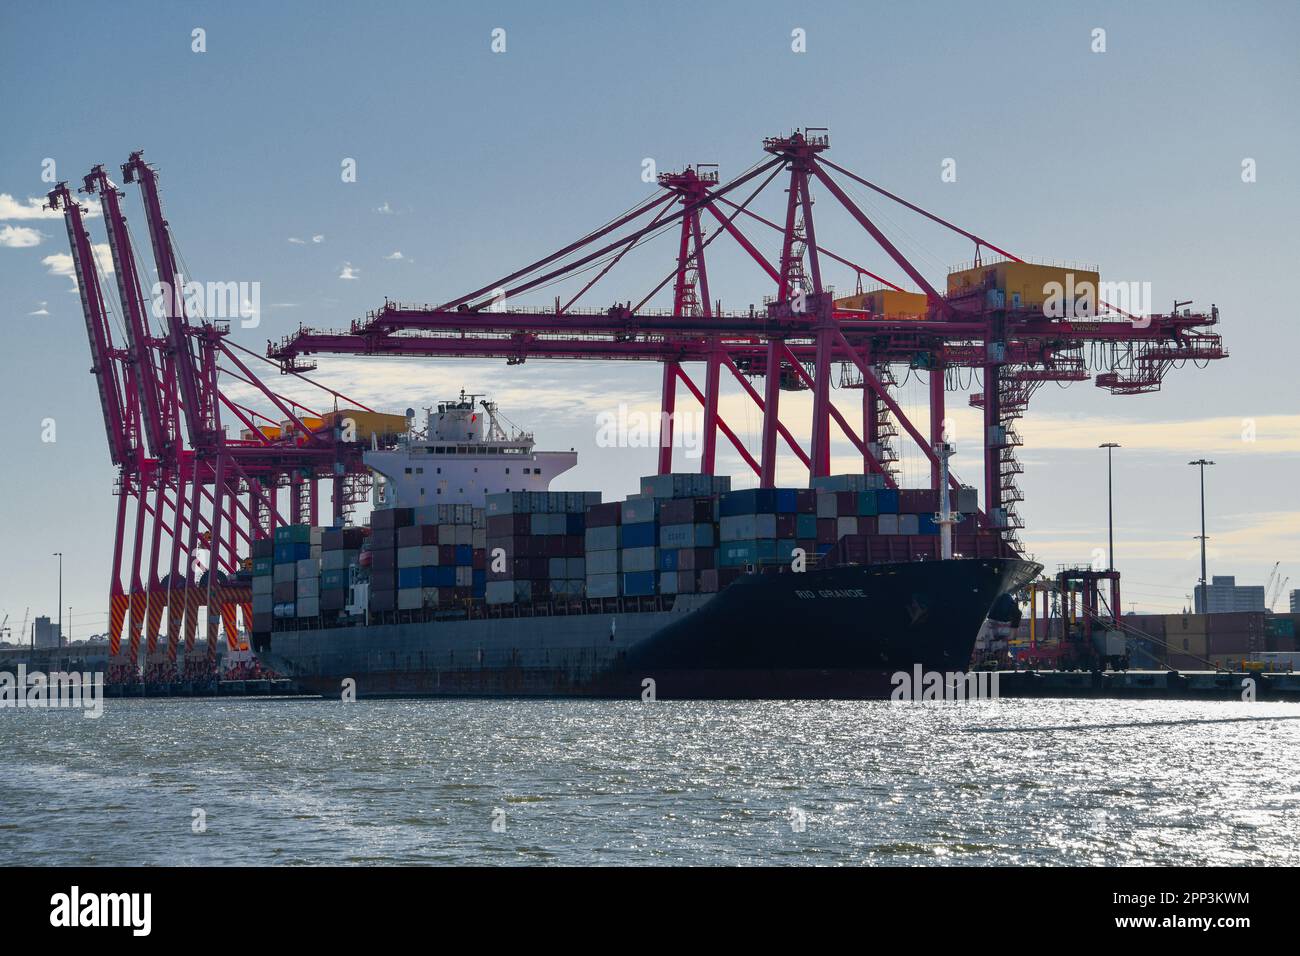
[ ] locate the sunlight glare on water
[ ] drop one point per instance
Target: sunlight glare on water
(599, 782)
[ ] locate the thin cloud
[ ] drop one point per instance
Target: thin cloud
(19, 237)
(34, 208)
(318, 238)
(385, 209)
(297, 242)
(395, 256)
(40, 309)
(349, 272)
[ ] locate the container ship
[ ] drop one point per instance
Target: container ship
(474, 579)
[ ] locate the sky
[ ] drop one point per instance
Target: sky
(472, 161)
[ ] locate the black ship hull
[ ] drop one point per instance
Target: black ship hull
(836, 633)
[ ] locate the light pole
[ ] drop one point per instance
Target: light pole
(1201, 463)
(59, 555)
(1110, 446)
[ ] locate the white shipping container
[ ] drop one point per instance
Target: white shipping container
(747, 527)
(668, 582)
(308, 587)
(826, 504)
(410, 557)
(575, 568)
(263, 603)
(464, 534)
(601, 585)
(909, 524)
(308, 607)
(308, 568)
(637, 509)
(284, 573)
(887, 524)
(262, 584)
(603, 562)
(556, 569)
(686, 536)
(501, 592)
(640, 559)
(480, 538)
(845, 526)
(603, 539)
(464, 576)
(410, 599)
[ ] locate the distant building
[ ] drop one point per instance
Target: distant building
(47, 634)
(1224, 595)
(1295, 602)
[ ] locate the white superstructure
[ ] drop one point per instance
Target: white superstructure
(461, 455)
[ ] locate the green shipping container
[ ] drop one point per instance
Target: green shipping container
(866, 507)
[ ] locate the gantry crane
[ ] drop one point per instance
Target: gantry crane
(799, 334)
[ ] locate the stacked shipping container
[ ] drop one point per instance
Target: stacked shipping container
(431, 556)
(535, 545)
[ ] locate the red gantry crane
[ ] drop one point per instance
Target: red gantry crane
(201, 495)
(1010, 341)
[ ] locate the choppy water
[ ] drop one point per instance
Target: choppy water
(312, 782)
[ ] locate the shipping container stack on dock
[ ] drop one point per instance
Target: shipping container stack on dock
(535, 545)
(427, 557)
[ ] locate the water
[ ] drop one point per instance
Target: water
(580, 782)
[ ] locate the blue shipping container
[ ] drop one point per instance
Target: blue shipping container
(408, 577)
(668, 559)
(749, 501)
(641, 535)
(464, 554)
(639, 583)
(887, 501)
(787, 500)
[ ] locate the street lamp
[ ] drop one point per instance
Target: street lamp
(59, 555)
(1110, 446)
(1201, 463)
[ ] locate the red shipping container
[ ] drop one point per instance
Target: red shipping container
(785, 525)
(383, 560)
(446, 554)
(478, 559)
(916, 501)
(383, 539)
(867, 525)
(827, 532)
(604, 515)
(805, 501)
(417, 535)
(846, 503)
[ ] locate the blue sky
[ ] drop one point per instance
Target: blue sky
(471, 163)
